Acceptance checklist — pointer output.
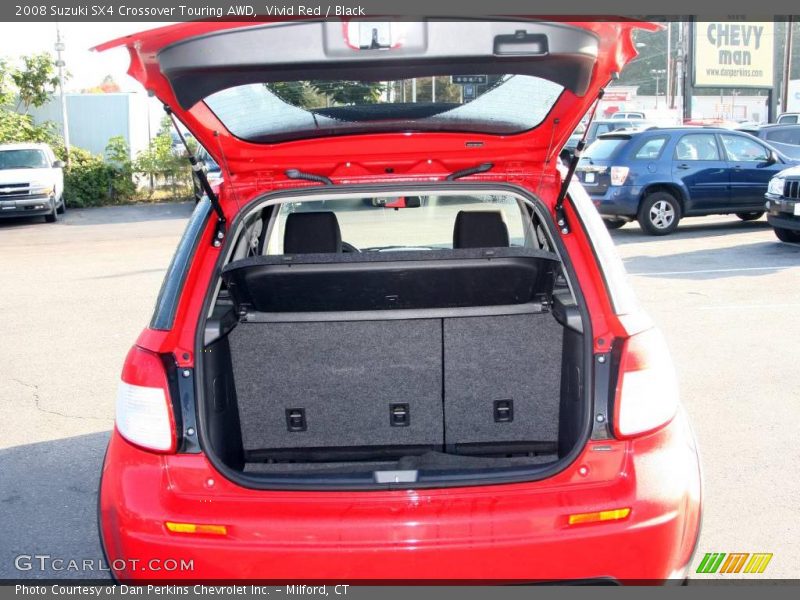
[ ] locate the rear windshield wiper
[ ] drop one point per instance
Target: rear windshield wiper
(482, 168)
(298, 174)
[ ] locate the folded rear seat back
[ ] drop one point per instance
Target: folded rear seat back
(356, 384)
(502, 379)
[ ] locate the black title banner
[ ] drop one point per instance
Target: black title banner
(184, 10)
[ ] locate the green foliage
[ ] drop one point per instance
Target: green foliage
(15, 127)
(6, 89)
(35, 80)
(349, 92)
(162, 164)
(89, 180)
(118, 160)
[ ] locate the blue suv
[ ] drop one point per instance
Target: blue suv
(661, 175)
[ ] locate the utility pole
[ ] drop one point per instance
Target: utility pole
(668, 79)
(787, 64)
(657, 73)
(59, 47)
(688, 50)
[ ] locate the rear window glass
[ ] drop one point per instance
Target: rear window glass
(280, 111)
(396, 223)
(785, 136)
(651, 149)
(603, 149)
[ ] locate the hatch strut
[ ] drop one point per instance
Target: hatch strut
(197, 168)
(561, 217)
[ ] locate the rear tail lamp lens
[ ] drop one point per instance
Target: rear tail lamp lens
(647, 389)
(144, 411)
(619, 175)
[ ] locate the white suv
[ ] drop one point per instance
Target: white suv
(31, 182)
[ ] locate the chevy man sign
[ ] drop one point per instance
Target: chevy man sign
(731, 54)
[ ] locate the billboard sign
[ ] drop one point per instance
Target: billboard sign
(734, 54)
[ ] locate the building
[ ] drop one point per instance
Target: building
(96, 118)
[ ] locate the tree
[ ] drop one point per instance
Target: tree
(6, 83)
(350, 92)
(35, 81)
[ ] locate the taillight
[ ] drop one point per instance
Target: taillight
(647, 389)
(144, 411)
(619, 175)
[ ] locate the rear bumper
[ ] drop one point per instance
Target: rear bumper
(502, 533)
(26, 207)
(617, 201)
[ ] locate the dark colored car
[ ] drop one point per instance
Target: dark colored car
(598, 128)
(659, 176)
(783, 205)
(455, 389)
(784, 138)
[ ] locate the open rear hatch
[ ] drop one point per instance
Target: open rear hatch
(264, 98)
(466, 362)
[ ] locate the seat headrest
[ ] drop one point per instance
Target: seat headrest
(312, 232)
(480, 229)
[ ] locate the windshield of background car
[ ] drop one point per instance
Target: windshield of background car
(602, 149)
(23, 159)
(282, 111)
(372, 224)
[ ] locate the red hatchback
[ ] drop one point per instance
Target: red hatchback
(456, 387)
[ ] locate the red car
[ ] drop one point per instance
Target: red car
(457, 389)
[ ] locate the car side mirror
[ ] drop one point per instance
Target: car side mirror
(59, 164)
(772, 158)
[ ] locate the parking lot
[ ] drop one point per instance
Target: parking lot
(77, 293)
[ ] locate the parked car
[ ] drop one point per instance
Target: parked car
(456, 390)
(31, 182)
(628, 115)
(597, 128)
(785, 138)
(783, 205)
(661, 175)
(789, 118)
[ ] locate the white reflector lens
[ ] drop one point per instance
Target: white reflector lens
(647, 392)
(142, 416)
(619, 175)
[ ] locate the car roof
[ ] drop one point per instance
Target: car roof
(774, 126)
(24, 146)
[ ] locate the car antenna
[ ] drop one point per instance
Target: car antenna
(197, 168)
(561, 217)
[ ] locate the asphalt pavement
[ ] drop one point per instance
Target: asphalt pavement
(77, 293)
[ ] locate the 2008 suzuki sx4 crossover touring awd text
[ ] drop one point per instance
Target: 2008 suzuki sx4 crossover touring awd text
(450, 381)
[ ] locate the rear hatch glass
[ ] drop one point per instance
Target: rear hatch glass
(288, 110)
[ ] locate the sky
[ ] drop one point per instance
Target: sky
(87, 68)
